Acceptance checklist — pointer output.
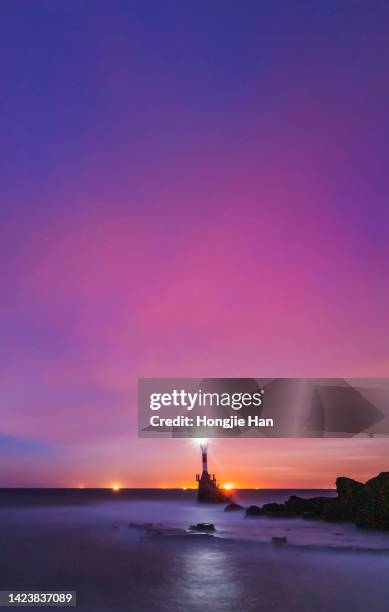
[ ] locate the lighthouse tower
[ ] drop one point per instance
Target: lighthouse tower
(208, 490)
(204, 455)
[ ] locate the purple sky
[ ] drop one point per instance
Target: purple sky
(187, 190)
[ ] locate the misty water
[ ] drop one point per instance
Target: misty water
(90, 547)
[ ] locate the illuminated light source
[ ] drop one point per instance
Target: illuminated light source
(115, 487)
(228, 486)
(200, 441)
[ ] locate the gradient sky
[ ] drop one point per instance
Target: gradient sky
(187, 189)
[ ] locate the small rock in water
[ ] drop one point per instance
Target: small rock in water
(233, 507)
(279, 540)
(203, 527)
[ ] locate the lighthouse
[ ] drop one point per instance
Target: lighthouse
(204, 455)
(208, 489)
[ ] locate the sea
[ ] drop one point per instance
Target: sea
(133, 550)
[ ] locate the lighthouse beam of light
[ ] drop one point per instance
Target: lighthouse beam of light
(201, 442)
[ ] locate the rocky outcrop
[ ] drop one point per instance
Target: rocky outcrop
(374, 513)
(352, 496)
(366, 505)
(293, 508)
(311, 508)
(254, 511)
(233, 508)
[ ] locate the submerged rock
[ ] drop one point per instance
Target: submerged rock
(279, 540)
(208, 527)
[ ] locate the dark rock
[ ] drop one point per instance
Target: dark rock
(374, 513)
(254, 511)
(310, 516)
(298, 504)
(273, 508)
(351, 498)
(365, 505)
(314, 508)
(233, 508)
(379, 485)
(313, 505)
(278, 511)
(203, 527)
(347, 505)
(270, 510)
(279, 540)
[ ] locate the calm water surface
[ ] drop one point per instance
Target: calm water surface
(88, 546)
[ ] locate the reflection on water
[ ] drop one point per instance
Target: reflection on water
(207, 578)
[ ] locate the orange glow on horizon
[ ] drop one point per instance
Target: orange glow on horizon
(228, 486)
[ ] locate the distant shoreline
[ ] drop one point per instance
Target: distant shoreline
(18, 496)
(122, 490)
